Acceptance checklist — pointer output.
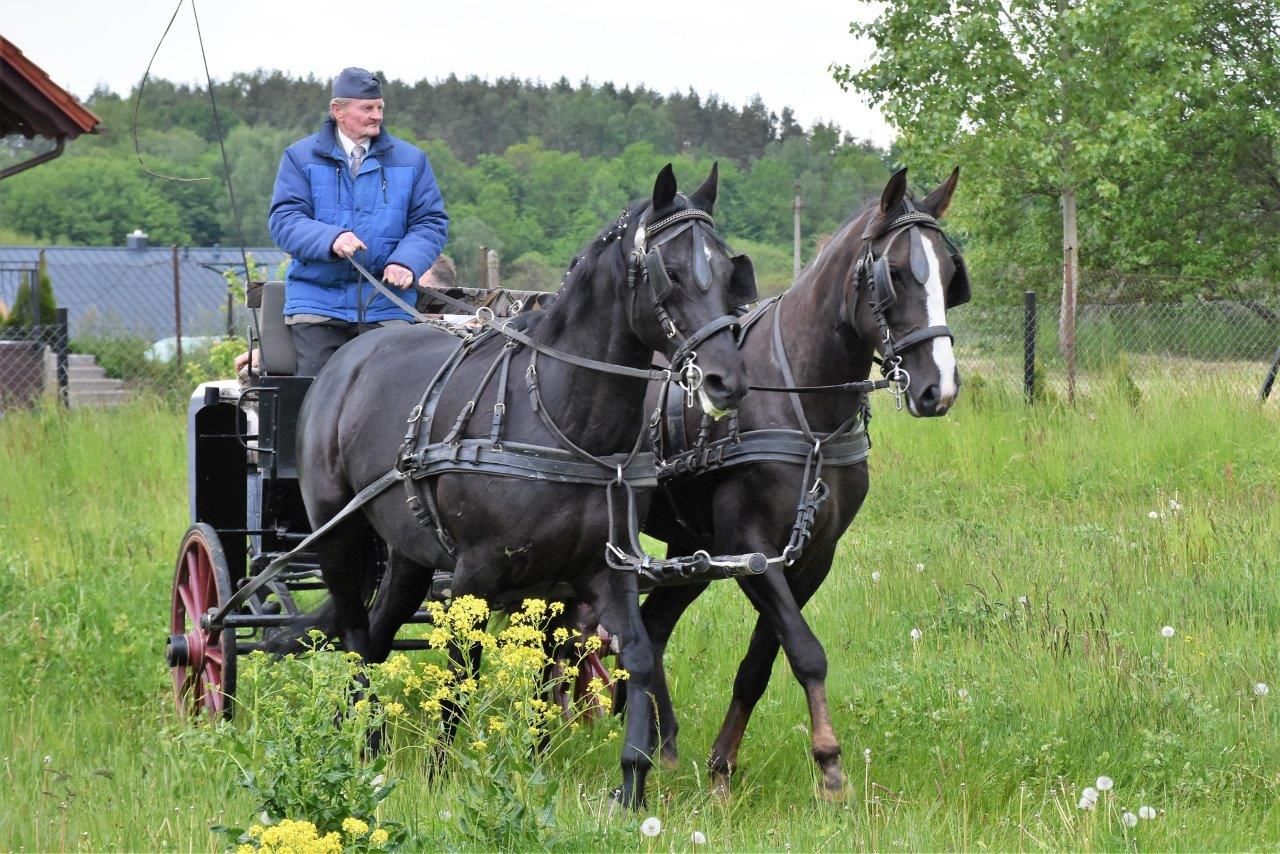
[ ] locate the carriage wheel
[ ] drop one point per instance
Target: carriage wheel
(201, 662)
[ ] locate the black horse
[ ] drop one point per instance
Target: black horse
(882, 282)
(497, 530)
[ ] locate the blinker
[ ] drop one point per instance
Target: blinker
(657, 272)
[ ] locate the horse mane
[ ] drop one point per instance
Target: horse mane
(604, 251)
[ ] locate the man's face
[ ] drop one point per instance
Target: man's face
(360, 118)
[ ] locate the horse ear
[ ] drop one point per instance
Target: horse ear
(664, 189)
(705, 196)
(894, 191)
(939, 200)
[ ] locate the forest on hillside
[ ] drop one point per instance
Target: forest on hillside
(529, 169)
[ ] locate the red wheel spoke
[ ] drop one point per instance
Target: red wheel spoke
(189, 603)
(198, 573)
(213, 653)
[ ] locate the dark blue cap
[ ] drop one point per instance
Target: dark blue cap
(356, 83)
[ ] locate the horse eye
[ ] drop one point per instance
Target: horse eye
(673, 276)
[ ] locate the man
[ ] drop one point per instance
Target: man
(352, 191)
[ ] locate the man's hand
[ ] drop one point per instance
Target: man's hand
(347, 244)
(401, 277)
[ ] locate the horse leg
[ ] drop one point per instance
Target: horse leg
(404, 587)
(616, 599)
(661, 611)
(349, 578)
(779, 598)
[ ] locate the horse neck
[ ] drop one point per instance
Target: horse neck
(822, 346)
(598, 410)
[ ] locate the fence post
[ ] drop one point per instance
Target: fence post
(177, 308)
(484, 267)
(61, 349)
(1029, 345)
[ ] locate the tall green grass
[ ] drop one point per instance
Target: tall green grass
(981, 733)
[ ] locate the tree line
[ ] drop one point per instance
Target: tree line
(528, 169)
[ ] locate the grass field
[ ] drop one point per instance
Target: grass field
(1039, 552)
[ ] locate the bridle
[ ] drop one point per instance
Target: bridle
(872, 274)
(646, 265)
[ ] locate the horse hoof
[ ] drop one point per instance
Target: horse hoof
(833, 794)
(720, 786)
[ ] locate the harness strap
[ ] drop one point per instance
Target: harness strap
(214, 622)
(651, 374)
(500, 402)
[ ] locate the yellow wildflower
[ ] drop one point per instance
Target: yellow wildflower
(619, 674)
(354, 827)
(479, 746)
(394, 709)
(557, 608)
(593, 643)
(496, 724)
(378, 838)
(561, 634)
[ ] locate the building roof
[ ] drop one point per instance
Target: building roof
(33, 105)
(114, 290)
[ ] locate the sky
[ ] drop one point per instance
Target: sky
(778, 50)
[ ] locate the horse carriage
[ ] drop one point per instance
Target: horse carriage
(246, 508)
(596, 416)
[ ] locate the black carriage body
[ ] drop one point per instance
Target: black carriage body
(242, 468)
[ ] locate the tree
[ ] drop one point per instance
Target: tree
(93, 201)
(1056, 98)
(41, 311)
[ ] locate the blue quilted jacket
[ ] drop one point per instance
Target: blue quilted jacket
(393, 205)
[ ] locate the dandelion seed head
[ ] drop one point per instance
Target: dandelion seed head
(1168, 632)
(699, 838)
(1174, 505)
(963, 693)
(651, 826)
(1261, 689)
(919, 567)
(1088, 798)
(916, 634)
(875, 577)
(1024, 601)
(1129, 819)
(1104, 784)
(1146, 813)
(1153, 515)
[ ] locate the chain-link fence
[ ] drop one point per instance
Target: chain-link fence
(1228, 345)
(164, 319)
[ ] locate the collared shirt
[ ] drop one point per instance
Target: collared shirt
(349, 144)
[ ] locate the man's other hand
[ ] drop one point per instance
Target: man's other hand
(401, 277)
(347, 244)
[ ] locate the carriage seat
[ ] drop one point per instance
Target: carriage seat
(278, 356)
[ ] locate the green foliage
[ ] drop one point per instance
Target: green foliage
(1142, 109)
(92, 200)
(40, 311)
(299, 739)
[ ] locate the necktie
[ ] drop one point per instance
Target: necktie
(357, 157)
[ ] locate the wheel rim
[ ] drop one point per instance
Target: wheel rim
(203, 682)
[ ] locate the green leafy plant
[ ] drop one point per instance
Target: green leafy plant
(300, 740)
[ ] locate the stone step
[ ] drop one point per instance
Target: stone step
(94, 385)
(85, 372)
(97, 398)
(76, 360)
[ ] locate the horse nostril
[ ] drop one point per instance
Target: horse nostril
(718, 390)
(930, 397)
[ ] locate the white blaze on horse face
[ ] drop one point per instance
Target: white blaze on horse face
(943, 356)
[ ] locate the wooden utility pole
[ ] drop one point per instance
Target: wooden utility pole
(484, 268)
(796, 207)
(1070, 243)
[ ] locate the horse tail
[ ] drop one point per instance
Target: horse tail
(295, 636)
